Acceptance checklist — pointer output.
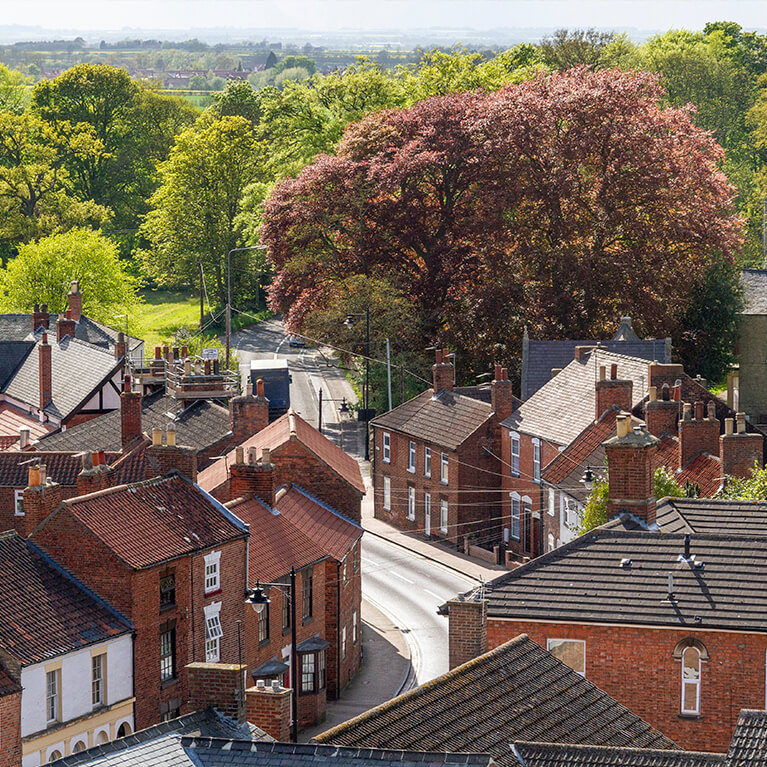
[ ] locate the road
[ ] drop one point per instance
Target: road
(405, 586)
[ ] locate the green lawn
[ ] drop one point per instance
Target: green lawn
(163, 312)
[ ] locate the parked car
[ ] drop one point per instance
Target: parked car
(296, 341)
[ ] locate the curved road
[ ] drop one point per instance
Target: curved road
(402, 584)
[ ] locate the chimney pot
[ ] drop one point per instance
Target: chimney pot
(698, 410)
(602, 373)
(665, 392)
(498, 373)
(741, 421)
(266, 456)
(686, 411)
(260, 684)
(156, 437)
(249, 389)
(442, 373)
(711, 411)
(157, 353)
(23, 437)
(75, 301)
(276, 685)
(239, 455)
(259, 388)
(652, 393)
(613, 371)
(252, 457)
(439, 356)
(505, 374)
(171, 436)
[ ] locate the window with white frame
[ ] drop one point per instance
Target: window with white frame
(343, 642)
(443, 517)
(552, 501)
(411, 503)
(18, 503)
(536, 460)
(355, 627)
(443, 468)
(691, 664)
(212, 574)
(52, 695)
(387, 493)
(516, 505)
(550, 542)
(570, 513)
(427, 462)
(386, 447)
(514, 437)
(411, 457)
(427, 511)
(213, 632)
(167, 651)
(572, 652)
(98, 679)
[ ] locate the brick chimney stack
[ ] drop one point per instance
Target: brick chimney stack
(659, 373)
(443, 372)
(65, 326)
(248, 414)
(661, 413)
(95, 474)
(582, 353)
(268, 707)
(698, 433)
(630, 471)
(120, 346)
(250, 477)
(40, 317)
(75, 301)
(611, 392)
(41, 498)
(164, 455)
(130, 412)
(46, 374)
(739, 450)
(219, 685)
(467, 628)
(501, 395)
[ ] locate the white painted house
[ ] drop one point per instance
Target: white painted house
(71, 652)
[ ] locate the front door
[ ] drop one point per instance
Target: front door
(427, 514)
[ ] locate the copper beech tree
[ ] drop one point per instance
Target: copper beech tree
(559, 203)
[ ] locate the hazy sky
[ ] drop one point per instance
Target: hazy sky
(325, 15)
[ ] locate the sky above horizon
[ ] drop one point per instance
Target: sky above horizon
(333, 15)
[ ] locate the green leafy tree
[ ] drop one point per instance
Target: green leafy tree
(237, 99)
(595, 510)
(752, 488)
(43, 271)
(194, 216)
(566, 48)
(14, 93)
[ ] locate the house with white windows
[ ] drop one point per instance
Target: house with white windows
(68, 652)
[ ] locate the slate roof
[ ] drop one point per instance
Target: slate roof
(153, 521)
(754, 283)
(565, 755)
(60, 467)
(518, 691)
(199, 425)
(748, 747)
(712, 516)
(561, 409)
(583, 581)
(12, 354)
(44, 612)
(275, 543)
(279, 432)
(333, 532)
(16, 327)
(447, 419)
(160, 745)
(78, 369)
(539, 358)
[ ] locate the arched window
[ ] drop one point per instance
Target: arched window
(54, 755)
(691, 665)
(102, 738)
(124, 730)
(79, 746)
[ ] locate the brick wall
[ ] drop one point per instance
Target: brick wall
(219, 685)
(697, 433)
(8, 518)
(467, 630)
(739, 451)
(636, 666)
(269, 709)
(10, 730)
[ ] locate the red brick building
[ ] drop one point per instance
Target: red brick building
(168, 557)
(435, 464)
(10, 721)
(300, 454)
(669, 622)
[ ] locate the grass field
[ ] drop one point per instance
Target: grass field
(163, 312)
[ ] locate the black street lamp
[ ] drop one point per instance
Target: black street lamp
(258, 601)
(350, 321)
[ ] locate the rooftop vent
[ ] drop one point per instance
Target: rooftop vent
(626, 563)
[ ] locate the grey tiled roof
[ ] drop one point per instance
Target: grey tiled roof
(160, 745)
(748, 747)
(709, 515)
(565, 755)
(447, 419)
(200, 424)
(12, 354)
(755, 290)
(583, 581)
(77, 370)
(562, 408)
(541, 357)
(517, 691)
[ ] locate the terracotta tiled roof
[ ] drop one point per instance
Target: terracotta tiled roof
(277, 434)
(703, 470)
(334, 533)
(447, 419)
(275, 544)
(518, 691)
(153, 521)
(43, 611)
(12, 419)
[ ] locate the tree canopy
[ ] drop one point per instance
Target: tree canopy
(569, 199)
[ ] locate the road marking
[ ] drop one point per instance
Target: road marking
(403, 578)
(277, 350)
(436, 596)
